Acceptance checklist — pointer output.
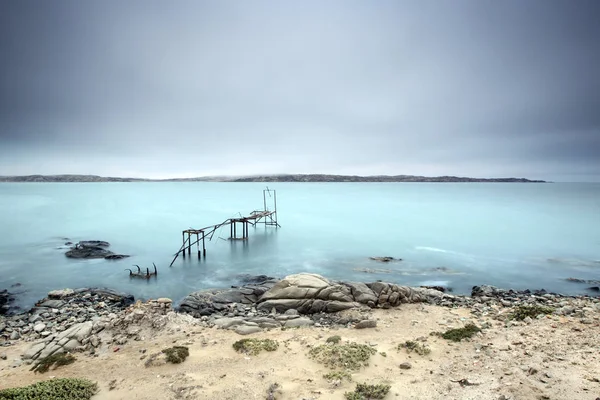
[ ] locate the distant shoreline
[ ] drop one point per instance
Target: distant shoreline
(269, 178)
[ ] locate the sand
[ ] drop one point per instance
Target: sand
(554, 357)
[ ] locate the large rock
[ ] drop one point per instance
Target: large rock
(88, 249)
(60, 343)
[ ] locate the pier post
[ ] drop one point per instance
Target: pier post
(203, 246)
(198, 244)
(234, 230)
(189, 244)
(183, 244)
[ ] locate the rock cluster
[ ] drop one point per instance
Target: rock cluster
(135, 322)
(60, 311)
(307, 294)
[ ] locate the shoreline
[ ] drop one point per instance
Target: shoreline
(551, 354)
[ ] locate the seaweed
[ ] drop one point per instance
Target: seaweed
(364, 391)
(457, 334)
(176, 354)
(255, 346)
(53, 389)
(57, 360)
(411, 345)
(521, 312)
(351, 356)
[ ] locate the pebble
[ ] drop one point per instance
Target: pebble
(405, 365)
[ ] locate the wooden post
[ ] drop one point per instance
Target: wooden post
(183, 247)
(234, 230)
(203, 246)
(198, 244)
(189, 244)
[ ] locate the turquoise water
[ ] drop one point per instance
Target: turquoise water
(509, 235)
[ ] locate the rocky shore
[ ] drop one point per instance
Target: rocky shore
(100, 322)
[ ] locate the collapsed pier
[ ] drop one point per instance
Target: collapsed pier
(265, 216)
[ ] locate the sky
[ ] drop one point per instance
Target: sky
(159, 89)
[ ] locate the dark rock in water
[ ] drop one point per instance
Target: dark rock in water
(247, 278)
(588, 281)
(385, 259)
(116, 256)
(486, 290)
(6, 300)
(93, 243)
(594, 288)
(438, 288)
(88, 252)
(93, 249)
(16, 284)
(68, 243)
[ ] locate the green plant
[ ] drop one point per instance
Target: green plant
(368, 392)
(334, 339)
(411, 345)
(255, 346)
(176, 354)
(349, 356)
(53, 389)
(55, 359)
(521, 312)
(338, 376)
(457, 334)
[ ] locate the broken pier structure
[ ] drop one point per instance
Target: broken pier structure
(191, 237)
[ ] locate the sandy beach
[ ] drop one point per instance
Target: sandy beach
(550, 357)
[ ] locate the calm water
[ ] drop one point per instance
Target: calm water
(509, 235)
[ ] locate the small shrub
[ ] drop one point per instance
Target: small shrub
(176, 354)
(456, 335)
(349, 356)
(55, 359)
(338, 376)
(411, 345)
(334, 339)
(255, 346)
(367, 392)
(53, 389)
(521, 312)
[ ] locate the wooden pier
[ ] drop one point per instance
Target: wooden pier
(265, 216)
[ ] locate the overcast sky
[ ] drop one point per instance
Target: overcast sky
(193, 88)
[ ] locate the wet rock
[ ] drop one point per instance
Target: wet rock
(384, 259)
(116, 256)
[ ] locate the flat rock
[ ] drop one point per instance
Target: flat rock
(52, 304)
(39, 327)
(367, 323)
(298, 322)
(61, 293)
(247, 329)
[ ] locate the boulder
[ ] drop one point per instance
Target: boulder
(61, 293)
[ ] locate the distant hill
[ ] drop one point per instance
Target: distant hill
(265, 178)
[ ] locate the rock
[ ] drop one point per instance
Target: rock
(367, 323)
(14, 335)
(384, 259)
(3, 356)
(39, 327)
(61, 293)
(88, 252)
(247, 278)
(298, 322)
(116, 256)
(226, 323)
(33, 351)
(52, 304)
(164, 300)
(93, 243)
(362, 293)
(291, 311)
(405, 365)
(247, 329)
(2, 326)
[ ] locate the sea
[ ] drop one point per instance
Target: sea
(457, 235)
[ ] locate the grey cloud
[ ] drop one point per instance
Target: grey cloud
(468, 88)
